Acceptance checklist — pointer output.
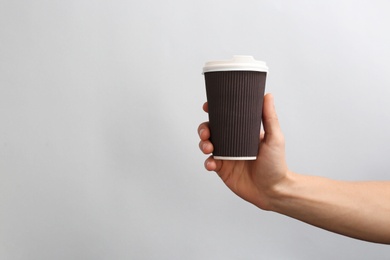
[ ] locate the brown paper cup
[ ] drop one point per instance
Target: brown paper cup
(235, 92)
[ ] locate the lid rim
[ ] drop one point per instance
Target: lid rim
(238, 63)
(234, 69)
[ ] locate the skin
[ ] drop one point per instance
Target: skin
(356, 209)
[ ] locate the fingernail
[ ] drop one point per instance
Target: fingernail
(204, 146)
(201, 131)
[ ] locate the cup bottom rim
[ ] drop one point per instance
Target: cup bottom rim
(235, 158)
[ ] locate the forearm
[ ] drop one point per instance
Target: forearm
(356, 209)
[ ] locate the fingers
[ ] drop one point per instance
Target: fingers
(212, 165)
(204, 131)
(206, 147)
(206, 107)
(270, 118)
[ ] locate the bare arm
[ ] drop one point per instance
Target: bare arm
(355, 209)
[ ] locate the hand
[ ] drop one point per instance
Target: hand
(254, 181)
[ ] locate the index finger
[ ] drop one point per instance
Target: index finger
(206, 107)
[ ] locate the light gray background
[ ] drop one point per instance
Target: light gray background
(99, 106)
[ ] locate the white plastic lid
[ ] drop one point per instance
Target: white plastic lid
(239, 62)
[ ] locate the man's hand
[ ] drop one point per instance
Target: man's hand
(256, 180)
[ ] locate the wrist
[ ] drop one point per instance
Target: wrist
(281, 191)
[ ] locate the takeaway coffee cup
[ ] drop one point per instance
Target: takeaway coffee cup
(235, 92)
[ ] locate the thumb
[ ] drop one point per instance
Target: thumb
(270, 118)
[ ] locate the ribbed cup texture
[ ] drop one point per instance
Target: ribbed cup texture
(235, 101)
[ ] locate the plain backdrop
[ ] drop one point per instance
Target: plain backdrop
(100, 103)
